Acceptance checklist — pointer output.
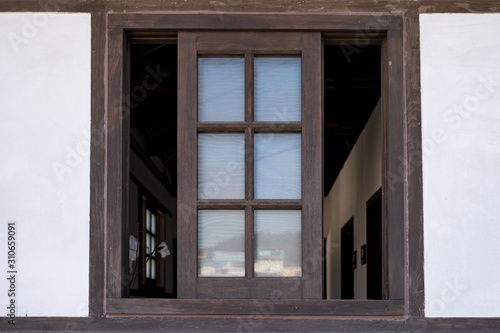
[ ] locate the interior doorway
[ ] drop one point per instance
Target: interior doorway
(374, 246)
(347, 249)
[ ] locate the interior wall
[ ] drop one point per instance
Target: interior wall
(45, 168)
(460, 80)
(360, 178)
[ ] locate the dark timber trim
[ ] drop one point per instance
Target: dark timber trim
(415, 298)
(393, 192)
(97, 265)
(258, 321)
(319, 6)
(250, 21)
(187, 167)
(245, 306)
(116, 166)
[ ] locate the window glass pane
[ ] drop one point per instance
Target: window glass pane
(221, 243)
(221, 89)
(278, 89)
(148, 269)
(148, 243)
(153, 269)
(221, 166)
(278, 243)
(278, 166)
(153, 223)
(148, 220)
(153, 245)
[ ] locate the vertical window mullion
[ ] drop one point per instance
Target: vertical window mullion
(249, 86)
(249, 242)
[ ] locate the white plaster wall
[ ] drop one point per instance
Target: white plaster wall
(460, 76)
(358, 180)
(44, 169)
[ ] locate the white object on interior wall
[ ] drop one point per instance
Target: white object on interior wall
(460, 77)
(45, 148)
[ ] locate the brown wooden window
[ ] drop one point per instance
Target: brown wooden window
(248, 193)
(224, 194)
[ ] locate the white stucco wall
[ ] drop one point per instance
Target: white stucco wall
(44, 169)
(460, 73)
(358, 180)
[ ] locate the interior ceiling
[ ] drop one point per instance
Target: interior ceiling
(153, 116)
(351, 91)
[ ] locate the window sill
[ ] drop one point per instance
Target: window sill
(135, 306)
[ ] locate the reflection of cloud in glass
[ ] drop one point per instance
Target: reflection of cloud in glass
(278, 166)
(278, 243)
(221, 243)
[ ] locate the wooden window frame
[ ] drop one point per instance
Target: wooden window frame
(249, 44)
(401, 290)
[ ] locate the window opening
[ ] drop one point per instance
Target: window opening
(152, 197)
(352, 160)
(352, 89)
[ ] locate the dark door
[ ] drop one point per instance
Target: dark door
(347, 272)
(374, 247)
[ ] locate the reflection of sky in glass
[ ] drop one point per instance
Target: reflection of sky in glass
(221, 243)
(277, 89)
(221, 89)
(278, 243)
(221, 166)
(278, 166)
